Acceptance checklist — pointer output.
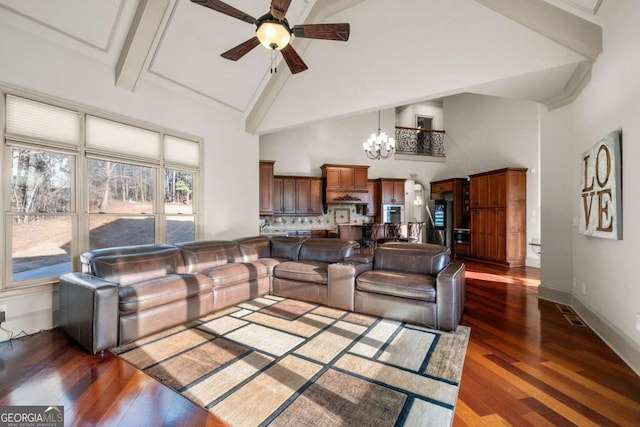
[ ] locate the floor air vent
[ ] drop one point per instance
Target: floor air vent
(571, 316)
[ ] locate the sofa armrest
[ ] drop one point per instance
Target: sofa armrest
(89, 310)
(450, 284)
(341, 283)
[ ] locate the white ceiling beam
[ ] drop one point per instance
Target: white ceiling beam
(319, 13)
(146, 24)
(554, 23)
(578, 80)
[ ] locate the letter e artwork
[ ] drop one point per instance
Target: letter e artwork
(601, 189)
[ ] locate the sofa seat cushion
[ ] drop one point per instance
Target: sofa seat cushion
(398, 284)
(230, 274)
(163, 290)
(302, 271)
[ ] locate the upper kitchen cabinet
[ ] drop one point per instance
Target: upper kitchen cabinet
(309, 196)
(345, 184)
(345, 177)
(266, 187)
(391, 191)
(295, 195)
(284, 195)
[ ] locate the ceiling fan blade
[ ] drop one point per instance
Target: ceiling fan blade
(241, 50)
(295, 63)
(322, 31)
(279, 8)
(222, 7)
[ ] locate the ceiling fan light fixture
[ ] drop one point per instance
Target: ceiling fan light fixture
(273, 35)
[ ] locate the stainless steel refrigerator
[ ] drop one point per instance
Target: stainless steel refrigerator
(439, 224)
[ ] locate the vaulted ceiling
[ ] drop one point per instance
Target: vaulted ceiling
(398, 53)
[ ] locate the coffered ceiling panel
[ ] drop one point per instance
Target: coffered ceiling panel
(195, 36)
(89, 21)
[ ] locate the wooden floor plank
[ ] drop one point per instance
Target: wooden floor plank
(526, 365)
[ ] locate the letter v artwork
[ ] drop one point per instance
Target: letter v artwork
(601, 194)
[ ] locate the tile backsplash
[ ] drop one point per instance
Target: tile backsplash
(336, 215)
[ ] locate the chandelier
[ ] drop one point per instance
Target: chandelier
(379, 146)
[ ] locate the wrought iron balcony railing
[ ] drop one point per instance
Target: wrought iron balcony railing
(426, 142)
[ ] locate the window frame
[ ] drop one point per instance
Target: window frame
(79, 155)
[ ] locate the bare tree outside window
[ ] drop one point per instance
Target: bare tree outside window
(40, 207)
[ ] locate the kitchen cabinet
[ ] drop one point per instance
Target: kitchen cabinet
(266, 187)
(284, 189)
(391, 191)
(372, 206)
(345, 177)
(297, 195)
(307, 234)
(498, 216)
(308, 196)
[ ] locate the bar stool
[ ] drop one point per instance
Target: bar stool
(370, 234)
(414, 231)
(392, 232)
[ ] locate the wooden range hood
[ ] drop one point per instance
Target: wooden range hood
(345, 184)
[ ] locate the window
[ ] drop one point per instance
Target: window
(40, 217)
(120, 197)
(78, 181)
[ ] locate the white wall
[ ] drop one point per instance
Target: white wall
(301, 151)
(230, 155)
(486, 133)
(611, 298)
(406, 115)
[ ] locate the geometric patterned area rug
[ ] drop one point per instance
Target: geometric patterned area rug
(283, 362)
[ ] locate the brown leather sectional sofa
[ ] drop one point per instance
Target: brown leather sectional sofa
(125, 293)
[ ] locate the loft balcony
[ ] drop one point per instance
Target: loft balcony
(425, 144)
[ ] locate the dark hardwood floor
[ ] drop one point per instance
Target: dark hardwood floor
(526, 365)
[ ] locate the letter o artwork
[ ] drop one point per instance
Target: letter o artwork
(603, 182)
(601, 189)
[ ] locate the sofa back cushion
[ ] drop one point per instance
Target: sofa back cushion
(327, 249)
(129, 268)
(199, 256)
(417, 258)
(87, 258)
(254, 248)
(286, 247)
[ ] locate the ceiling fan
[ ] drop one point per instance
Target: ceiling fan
(273, 32)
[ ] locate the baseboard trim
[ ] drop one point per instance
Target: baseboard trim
(628, 351)
(554, 295)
